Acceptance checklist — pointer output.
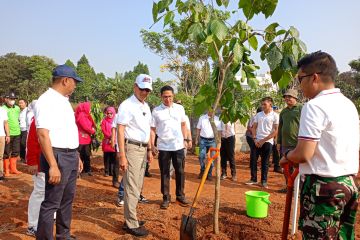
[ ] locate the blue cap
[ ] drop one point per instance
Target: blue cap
(66, 71)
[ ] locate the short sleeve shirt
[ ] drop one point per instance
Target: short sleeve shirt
(228, 130)
(167, 121)
(53, 112)
(22, 119)
(205, 126)
(13, 119)
(3, 118)
(265, 124)
(136, 116)
(332, 120)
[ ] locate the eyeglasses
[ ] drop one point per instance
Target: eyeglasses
(144, 89)
(302, 77)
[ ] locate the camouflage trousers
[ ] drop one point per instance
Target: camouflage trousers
(328, 207)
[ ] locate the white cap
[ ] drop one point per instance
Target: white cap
(144, 81)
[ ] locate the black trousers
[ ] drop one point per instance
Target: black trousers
(12, 148)
(58, 198)
(178, 161)
(85, 153)
(111, 165)
(23, 137)
(252, 146)
(264, 152)
(276, 157)
(227, 153)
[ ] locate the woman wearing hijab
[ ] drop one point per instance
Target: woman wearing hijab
(86, 127)
(110, 163)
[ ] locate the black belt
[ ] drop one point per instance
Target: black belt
(140, 144)
(207, 138)
(64, 149)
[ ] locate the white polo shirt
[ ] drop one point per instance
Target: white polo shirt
(228, 129)
(265, 124)
(54, 112)
(3, 117)
(167, 121)
(22, 119)
(332, 120)
(114, 125)
(136, 116)
(205, 126)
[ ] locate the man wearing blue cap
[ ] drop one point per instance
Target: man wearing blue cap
(58, 138)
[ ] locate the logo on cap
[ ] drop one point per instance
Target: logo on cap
(146, 79)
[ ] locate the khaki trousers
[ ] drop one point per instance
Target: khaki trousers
(133, 182)
(2, 147)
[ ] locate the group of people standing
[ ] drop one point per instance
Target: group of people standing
(319, 137)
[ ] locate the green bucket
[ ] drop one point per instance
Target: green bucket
(197, 151)
(257, 204)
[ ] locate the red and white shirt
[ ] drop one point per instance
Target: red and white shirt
(332, 120)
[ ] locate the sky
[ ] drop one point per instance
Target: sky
(108, 32)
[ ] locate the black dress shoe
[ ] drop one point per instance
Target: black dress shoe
(138, 232)
(183, 202)
(141, 223)
(165, 204)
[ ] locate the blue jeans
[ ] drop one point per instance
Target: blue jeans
(205, 144)
(121, 189)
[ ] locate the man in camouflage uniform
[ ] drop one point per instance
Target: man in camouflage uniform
(327, 153)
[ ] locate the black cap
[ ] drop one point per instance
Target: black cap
(66, 71)
(11, 95)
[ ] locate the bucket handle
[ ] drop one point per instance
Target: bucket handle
(266, 200)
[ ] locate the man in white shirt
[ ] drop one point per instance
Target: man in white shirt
(23, 135)
(264, 130)
(169, 124)
(4, 138)
(327, 153)
(133, 134)
(205, 134)
(58, 138)
(227, 150)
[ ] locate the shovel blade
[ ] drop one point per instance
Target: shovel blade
(187, 228)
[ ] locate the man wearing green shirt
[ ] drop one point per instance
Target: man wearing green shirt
(12, 148)
(289, 123)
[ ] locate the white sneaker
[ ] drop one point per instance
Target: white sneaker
(251, 182)
(120, 202)
(31, 231)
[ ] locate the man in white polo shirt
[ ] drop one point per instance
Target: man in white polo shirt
(205, 134)
(133, 134)
(327, 153)
(264, 130)
(58, 138)
(169, 124)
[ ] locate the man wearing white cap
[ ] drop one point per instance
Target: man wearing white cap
(133, 134)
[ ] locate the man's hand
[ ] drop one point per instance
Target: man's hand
(7, 139)
(189, 144)
(81, 166)
(259, 143)
(150, 156)
(123, 163)
(196, 142)
(154, 151)
(54, 175)
(278, 147)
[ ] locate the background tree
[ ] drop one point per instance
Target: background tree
(229, 47)
(85, 89)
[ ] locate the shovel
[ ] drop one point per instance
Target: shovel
(188, 223)
(290, 188)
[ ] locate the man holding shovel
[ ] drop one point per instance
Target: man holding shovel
(327, 153)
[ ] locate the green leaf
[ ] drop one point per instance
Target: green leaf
(238, 51)
(301, 44)
(243, 75)
(209, 39)
(294, 32)
(280, 32)
(271, 28)
(195, 30)
(219, 2)
(253, 82)
(212, 52)
(268, 7)
(274, 58)
(253, 42)
(169, 17)
(263, 51)
(285, 80)
(155, 11)
(219, 29)
(226, 3)
(276, 74)
(246, 6)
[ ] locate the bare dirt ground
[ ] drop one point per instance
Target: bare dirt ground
(95, 215)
